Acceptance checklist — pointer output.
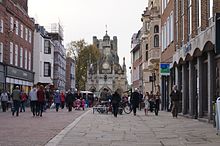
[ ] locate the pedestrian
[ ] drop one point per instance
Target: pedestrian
(140, 100)
(23, 101)
(57, 100)
(157, 103)
(33, 99)
(4, 100)
(146, 103)
(69, 100)
(152, 101)
(62, 98)
(16, 96)
(40, 100)
(116, 98)
(135, 100)
(175, 98)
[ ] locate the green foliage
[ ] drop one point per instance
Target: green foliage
(84, 55)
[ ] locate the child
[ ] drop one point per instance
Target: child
(146, 103)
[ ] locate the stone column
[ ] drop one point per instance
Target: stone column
(176, 76)
(191, 87)
(210, 83)
(184, 92)
(200, 84)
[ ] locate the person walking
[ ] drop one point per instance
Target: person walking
(175, 98)
(23, 101)
(151, 101)
(33, 99)
(4, 100)
(40, 100)
(16, 96)
(57, 100)
(146, 103)
(69, 100)
(157, 103)
(135, 100)
(116, 98)
(62, 98)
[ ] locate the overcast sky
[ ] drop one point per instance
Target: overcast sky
(83, 19)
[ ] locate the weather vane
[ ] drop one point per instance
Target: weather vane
(106, 28)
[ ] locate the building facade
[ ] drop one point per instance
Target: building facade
(195, 63)
(43, 59)
(151, 46)
(107, 74)
(136, 61)
(59, 75)
(16, 45)
(168, 47)
(70, 73)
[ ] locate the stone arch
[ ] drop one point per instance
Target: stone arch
(188, 57)
(209, 46)
(92, 89)
(181, 61)
(197, 52)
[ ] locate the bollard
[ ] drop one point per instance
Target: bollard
(217, 117)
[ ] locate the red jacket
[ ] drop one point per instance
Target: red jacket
(62, 97)
(40, 95)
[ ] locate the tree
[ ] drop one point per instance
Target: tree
(84, 55)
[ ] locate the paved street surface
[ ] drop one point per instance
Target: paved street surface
(27, 130)
(128, 130)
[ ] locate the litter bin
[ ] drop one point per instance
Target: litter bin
(217, 117)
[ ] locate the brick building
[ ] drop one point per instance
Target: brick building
(195, 63)
(16, 45)
(167, 48)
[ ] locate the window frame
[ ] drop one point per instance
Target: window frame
(48, 71)
(156, 40)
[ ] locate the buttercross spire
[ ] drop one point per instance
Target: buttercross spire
(106, 29)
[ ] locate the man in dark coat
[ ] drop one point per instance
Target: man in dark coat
(116, 98)
(175, 96)
(135, 100)
(69, 100)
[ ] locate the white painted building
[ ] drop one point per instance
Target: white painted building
(43, 56)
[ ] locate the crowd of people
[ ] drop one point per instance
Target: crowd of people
(41, 98)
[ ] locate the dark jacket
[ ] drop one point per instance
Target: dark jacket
(40, 95)
(116, 98)
(69, 98)
(135, 98)
(175, 96)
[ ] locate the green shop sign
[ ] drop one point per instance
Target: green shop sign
(165, 69)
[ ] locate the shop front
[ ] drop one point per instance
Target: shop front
(18, 77)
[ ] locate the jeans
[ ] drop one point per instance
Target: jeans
(16, 107)
(57, 106)
(40, 108)
(4, 106)
(34, 107)
(22, 106)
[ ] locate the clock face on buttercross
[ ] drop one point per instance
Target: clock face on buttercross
(105, 65)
